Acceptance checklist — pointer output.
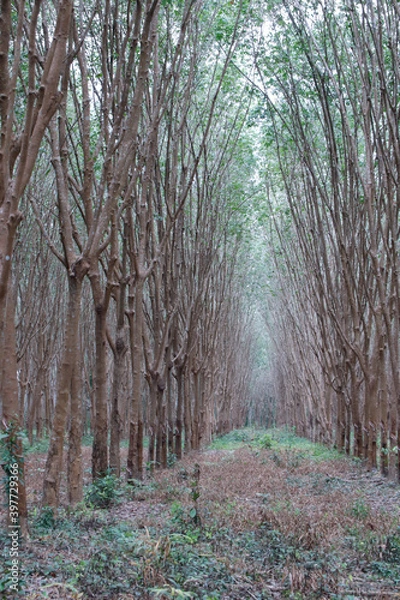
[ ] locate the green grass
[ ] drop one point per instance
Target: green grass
(277, 439)
(238, 438)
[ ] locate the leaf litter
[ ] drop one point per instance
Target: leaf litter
(240, 519)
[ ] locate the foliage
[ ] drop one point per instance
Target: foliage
(170, 592)
(45, 519)
(104, 491)
(11, 455)
(38, 446)
(310, 528)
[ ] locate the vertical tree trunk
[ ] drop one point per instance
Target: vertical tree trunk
(152, 425)
(340, 429)
(100, 426)
(384, 425)
(75, 464)
(196, 412)
(11, 416)
(119, 353)
(35, 404)
(51, 484)
(134, 469)
(170, 415)
(164, 436)
(187, 412)
(179, 413)
(115, 424)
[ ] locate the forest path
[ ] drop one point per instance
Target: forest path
(257, 515)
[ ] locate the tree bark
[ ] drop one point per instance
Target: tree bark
(70, 358)
(11, 414)
(75, 463)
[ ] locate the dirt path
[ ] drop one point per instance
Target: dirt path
(255, 517)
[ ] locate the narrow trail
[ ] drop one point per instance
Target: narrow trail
(256, 516)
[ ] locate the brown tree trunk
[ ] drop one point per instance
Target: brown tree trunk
(170, 415)
(75, 463)
(119, 354)
(179, 413)
(52, 476)
(134, 468)
(187, 412)
(115, 424)
(384, 429)
(152, 425)
(100, 425)
(11, 416)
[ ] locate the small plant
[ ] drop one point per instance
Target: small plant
(171, 460)
(195, 493)
(360, 510)
(178, 514)
(150, 466)
(266, 442)
(170, 592)
(45, 519)
(104, 492)
(392, 550)
(39, 446)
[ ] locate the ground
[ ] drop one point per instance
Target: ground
(258, 515)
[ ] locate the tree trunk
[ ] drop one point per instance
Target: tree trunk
(51, 484)
(75, 464)
(119, 353)
(115, 424)
(170, 416)
(179, 412)
(100, 426)
(188, 412)
(134, 468)
(11, 416)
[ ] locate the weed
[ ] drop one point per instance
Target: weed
(392, 548)
(170, 592)
(179, 516)
(266, 442)
(387, 571)
(104, 492)
(39, 446)
(171, 460)
(301, 544)
(195, 493)
(45, 519)
(236, 439)
(360, 510)
(288, 458)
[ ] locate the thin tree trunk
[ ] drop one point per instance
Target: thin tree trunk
(170, 416)
(100, 426)
(119, 354)
(75, 464)
(51, 484)
(179, 412)
(187, 413)
(11, 414)
(134, 469)
(115, 424)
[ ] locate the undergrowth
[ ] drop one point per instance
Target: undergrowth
(260, 514)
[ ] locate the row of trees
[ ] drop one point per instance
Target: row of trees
(124, 283)
(330, 89)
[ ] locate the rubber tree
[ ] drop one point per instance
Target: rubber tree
(34, 86)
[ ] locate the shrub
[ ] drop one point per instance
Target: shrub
(104, 492)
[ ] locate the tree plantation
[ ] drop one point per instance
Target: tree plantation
(199, 231)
